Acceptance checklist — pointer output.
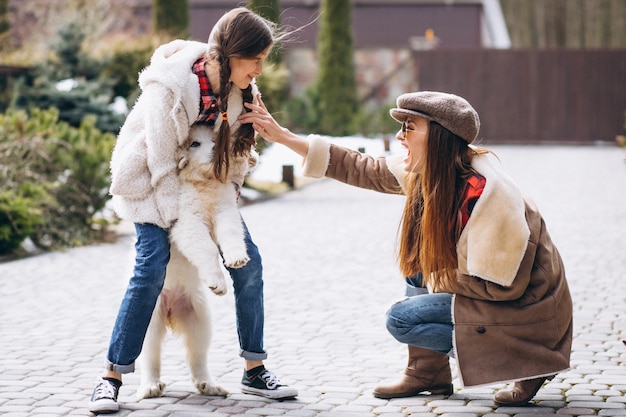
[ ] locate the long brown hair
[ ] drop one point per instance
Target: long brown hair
(243, 34)
(428, 229)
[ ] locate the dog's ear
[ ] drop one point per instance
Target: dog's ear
(182, 162)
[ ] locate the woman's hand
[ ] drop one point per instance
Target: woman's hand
(262, 121)
(269, 129)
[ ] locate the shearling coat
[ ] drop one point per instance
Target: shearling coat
(512, 311)
(144, 164)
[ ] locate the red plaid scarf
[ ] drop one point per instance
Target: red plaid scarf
(474, 189)
(208, 101)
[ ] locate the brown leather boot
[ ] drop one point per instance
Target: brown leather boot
(426, 371)
(521, 394)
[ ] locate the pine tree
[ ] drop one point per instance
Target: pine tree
(86, 92)
(336, 83)
(171, 17)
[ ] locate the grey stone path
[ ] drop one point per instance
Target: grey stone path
(330, 276)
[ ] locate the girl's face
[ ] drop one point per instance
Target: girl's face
(413, 135)
(244, 70)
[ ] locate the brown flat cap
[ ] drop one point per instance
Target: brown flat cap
(450, 111)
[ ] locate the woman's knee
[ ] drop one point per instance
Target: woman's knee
(393, 324)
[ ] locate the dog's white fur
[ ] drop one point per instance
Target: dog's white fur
(208, 221)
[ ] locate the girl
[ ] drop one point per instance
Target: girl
(495, 294)
(186, 84)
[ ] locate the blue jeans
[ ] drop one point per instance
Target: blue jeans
(423, 320)
(133, 318)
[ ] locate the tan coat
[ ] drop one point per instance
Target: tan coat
(512, 311)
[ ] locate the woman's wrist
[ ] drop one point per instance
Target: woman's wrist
(294, 142)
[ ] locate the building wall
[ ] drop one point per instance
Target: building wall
(535, 95)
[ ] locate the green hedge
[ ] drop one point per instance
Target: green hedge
(53, 179)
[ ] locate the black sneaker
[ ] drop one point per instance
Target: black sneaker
(266, 384)
(104, 397)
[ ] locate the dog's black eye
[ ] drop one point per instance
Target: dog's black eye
(194, 144)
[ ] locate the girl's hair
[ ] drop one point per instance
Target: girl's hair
(243, 34)
(430, 227)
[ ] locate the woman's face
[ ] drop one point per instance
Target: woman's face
(244, 70)
(413, 135)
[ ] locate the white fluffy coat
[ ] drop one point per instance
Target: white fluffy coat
(144, 164)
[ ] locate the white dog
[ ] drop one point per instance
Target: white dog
(208, 222)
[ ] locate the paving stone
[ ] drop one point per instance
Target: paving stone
(596, 404)
(612, 412)
(528, 410)
(423, 415)
(544, 414)
(447, 410)
(301, 413)
(576, 411)
(466, 414)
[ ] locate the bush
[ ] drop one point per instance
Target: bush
(86, 98)
(122, 64)
(18, 220)
(303, 114)
(60, 172)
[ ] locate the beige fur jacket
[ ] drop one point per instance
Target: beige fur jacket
(144, 164)
(512, 310)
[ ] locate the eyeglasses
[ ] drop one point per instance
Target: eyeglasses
(404, 129)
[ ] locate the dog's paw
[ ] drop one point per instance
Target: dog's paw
(208, 388)
(234, 255)
(217, 285)
(150, 390)
(236, 262)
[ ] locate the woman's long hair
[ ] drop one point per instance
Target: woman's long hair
(429, 229)
(243, 34)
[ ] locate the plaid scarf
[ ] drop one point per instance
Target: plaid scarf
(208, 101)
(474, 189)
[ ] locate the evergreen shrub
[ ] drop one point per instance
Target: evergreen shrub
(59, 172)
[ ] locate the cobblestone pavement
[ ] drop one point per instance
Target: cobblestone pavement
(329, 277)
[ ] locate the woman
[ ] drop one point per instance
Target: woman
(186, 84)
(495, 294)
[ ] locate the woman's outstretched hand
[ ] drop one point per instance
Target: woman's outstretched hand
(269, 129)
(262, 121)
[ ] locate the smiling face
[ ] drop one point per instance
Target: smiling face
(244, 70)
(414, 137)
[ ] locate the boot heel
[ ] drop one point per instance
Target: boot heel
(442, 390)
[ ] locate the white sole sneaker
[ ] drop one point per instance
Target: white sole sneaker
(281, 393)
(104, 406)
